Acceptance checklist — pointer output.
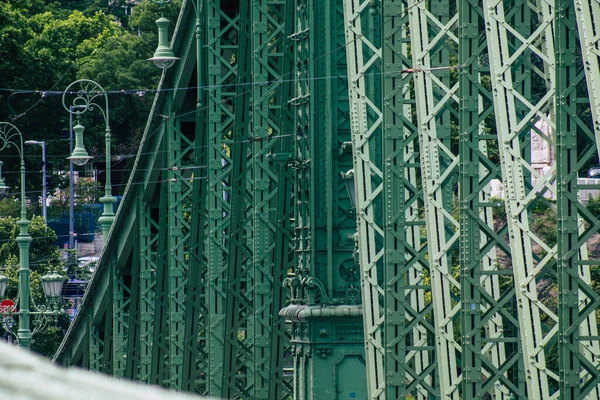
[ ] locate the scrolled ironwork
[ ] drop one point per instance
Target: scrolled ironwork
(9, 134)
(87, 94)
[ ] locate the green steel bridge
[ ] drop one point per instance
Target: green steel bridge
(309, 215)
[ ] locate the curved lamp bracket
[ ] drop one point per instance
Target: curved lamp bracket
(10, 136)
(83, 95)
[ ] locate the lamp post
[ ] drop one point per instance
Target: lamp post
(88, 95)
(10, 136)
(44, 171)
(163, 56)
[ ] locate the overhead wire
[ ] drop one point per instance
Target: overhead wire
(142, 92)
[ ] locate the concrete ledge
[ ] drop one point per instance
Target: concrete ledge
(26, 376)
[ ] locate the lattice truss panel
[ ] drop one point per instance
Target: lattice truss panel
(180, 151)
(491, 357)
(239, 371)
(269, 126)
(148, 248)
(434, 42)
(522, 56)
(120, 326)
(576, 147)
(221, 33)
(398, 316)
(473, 295)
(95, 347)
(252, 128)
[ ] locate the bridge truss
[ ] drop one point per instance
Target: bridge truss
(310, 215)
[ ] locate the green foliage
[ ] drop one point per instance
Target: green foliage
(544, 222)
(594, 206)
(44, 257)
(9, 207)
(43, 254)
(45, 46)
(499, 210)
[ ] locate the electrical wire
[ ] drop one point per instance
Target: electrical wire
(140, 92)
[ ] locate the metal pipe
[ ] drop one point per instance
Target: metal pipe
(71, 184)
(44, 180)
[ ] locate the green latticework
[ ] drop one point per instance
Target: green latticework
(310, 215)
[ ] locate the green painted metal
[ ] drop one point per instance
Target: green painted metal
(439, 167)
(238, 266)
(195, 359)
(238, 367)
(364, 59)
(490, 354)
(120, 327)
(579, 374)
(95, 346)
(147, 266)
(268, 41)
(588, 15)
(220, 121)
(323, 310)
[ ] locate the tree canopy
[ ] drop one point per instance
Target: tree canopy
(46, 45)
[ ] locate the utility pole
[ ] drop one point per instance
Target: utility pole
(71, 185)
(44, 179)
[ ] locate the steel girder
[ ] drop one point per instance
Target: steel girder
(578, 341)
(389, 203)
(489, 329)
(323, 311)
(271, 125)
(514, 129)
(434, 37)
(220, 121)
(168, 323)
(410, 365)
(514, 55)
(182, 296)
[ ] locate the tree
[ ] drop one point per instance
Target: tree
(44, 257)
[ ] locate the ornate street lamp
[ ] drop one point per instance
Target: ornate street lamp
(10, 136)
(163, 56)
(88, 95)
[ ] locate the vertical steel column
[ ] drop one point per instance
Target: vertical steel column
(160, 344)
(364, 58)
(221, 28)
(268, 42)
(238, 353)
(487, 364)
(132, 361)
(148, 247)
(439, 168)
(410, 363)
(95, 346)
(576, 146)
(120, 327)
(516, 118)
(108, 348)
(280, 385)
(302, 111)
(323, 310)
(179, 152)
(195, 356)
